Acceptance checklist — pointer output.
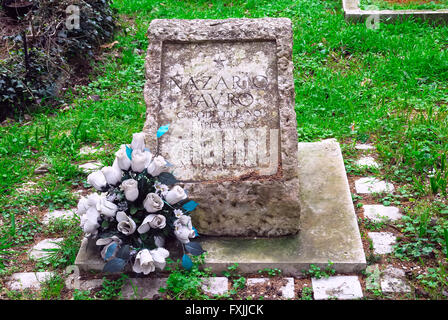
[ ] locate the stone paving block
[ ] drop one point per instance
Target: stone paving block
(90, 150)
(363, 146)
(372, 185)
(376, 212)
(28, 280)
(373, 280)
(339, 287)
(382, 242)
(367, 162)
(64, 214)
(38, 251)
(393, 280)
(216, 285)
(91, 166)
(287, 290)
(142, 288)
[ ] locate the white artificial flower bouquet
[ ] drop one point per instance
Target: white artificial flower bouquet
(138, 210)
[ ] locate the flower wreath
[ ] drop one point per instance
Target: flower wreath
(139, 209)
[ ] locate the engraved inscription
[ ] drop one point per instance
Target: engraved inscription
(220, 99)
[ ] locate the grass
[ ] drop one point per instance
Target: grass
(413, 5)
(386, 86)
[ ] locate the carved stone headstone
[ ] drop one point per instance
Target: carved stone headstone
(226, 89)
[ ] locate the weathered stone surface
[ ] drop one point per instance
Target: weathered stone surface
(330, 226)
(226, 89)
(38, 251)
(91, 166)
(372, 185)
(28, 280)
(142, 288)
(58, 214)
(364, 147)
(378, 212)
(393, 280)
(338, 287)
(216, 285)
(89, 150)
(382, 242)
(367, 162)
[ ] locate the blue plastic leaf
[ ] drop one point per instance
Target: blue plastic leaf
(114, 265)
(190, 206)
(186, 262)
(129, 152)
(195, 231)
(194, 248)
(162, 130)
(110, 251)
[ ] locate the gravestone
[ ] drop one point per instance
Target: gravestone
(226, 89)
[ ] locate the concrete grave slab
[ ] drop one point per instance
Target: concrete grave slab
(338, 287)
(38, 251)
(216, 285)
(367, 162)
(382, 242)
(378, 212)
(90, 150)
(329, 228)
(364, 147)
(287, 290)
(368, 185)
(28, 280)
(91, 166)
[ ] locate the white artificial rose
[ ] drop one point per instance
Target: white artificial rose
(159, 255)
(83, 206)
(183, 229)
(144, 263)
(106, 208)
(157, 166)
(112, 174)
(138, 141)
(130, 188)
(125, 225)
(89, 222)
(93, 199)
(140, 160)
(122, 158)
(153, 203)
(97, 180)
(107, 242)
(175, 195)
(155, 221)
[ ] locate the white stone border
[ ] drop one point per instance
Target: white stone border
(353, 13)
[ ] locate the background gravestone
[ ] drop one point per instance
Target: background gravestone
(226, 89)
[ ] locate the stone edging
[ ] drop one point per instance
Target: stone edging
(353, 13)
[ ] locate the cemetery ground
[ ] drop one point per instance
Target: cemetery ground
(381, 93)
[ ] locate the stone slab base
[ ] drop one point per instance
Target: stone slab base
(329, 228)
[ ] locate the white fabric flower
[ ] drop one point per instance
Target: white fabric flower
(175, 195)
(153, 203)
(97, 180)
(159, 255)
(155, 221)
(140, 160)
(178, 213)
(125, 225)
(144, 263)
(89, 222)
(162, 189)
(106, 208)
(130, 188)
(107, 242)
(138, 141)
(183, 229)
(122, 158)
(83, 206)
(112, 174)
(93, 199)
(157, 166)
